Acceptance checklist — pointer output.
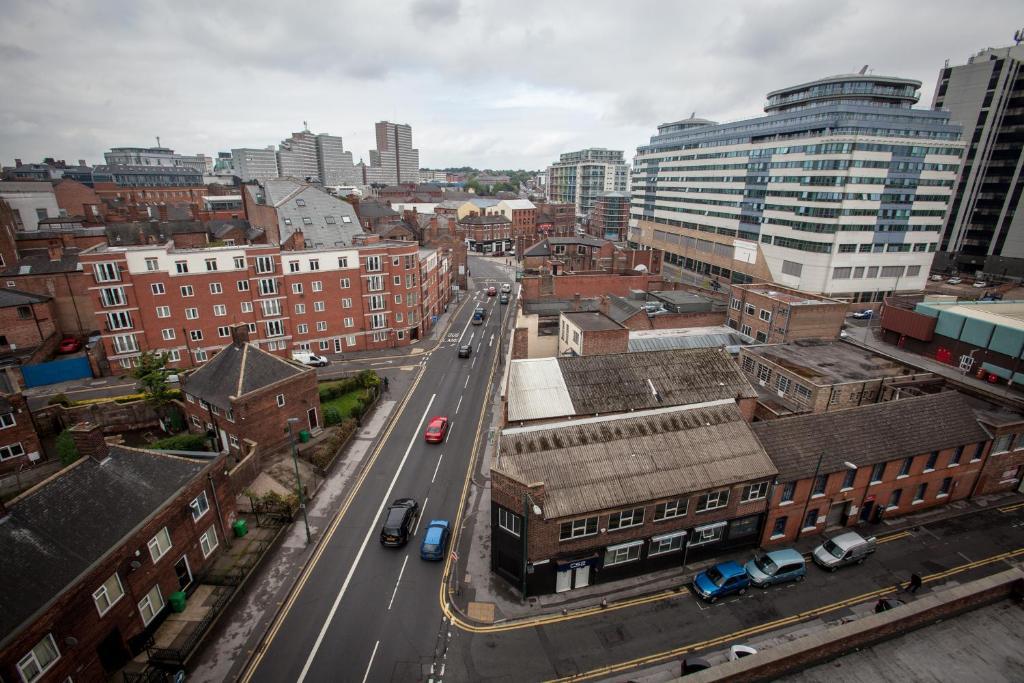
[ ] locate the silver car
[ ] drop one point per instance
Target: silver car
(844, 549)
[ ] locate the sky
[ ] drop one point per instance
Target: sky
(483, 84)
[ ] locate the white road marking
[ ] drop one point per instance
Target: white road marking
(473, 363)
(467, 382)
(387, 362)
(491, 342)
(465, 328)
(449, 434)
(366, 675)
(359, 555)
(436, 468)
(460, 401)
(420, 518)
(395, 592)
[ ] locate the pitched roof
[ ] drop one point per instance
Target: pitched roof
(621, 309)
(868, 434)
(370, 209)
(58, 530)
(607, 462)
(37, 261)
(14, 297)
(591, 321)
(237, 370)
(543, 248)
(284, 194)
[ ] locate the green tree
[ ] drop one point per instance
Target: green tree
(66, 449)
(152, 375)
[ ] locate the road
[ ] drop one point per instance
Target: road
(363, 612)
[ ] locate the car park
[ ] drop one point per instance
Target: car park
(953, 281)
(465, 350)
(69, 345)
(721, 580)
(436, 430)
(776, 566)
(399, 522)
(435, 540)
(844, 549)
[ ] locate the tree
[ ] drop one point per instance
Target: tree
(66, 449)
(152, 375)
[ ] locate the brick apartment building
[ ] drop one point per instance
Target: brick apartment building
(602, 498)
(184, 301)
(78, 199)
(850, 467)
(486, 234)
(86, 583)
(19, 442)
(245, 393)
(772, 314)
(556, 219)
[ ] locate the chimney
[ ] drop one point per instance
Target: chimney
(88, 438)
(576, 301)
(240, 335)
(55, 249)
(162, 211)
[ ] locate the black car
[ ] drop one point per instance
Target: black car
(465, 350)
(399, 522)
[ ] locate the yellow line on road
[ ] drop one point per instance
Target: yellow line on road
(893, 537)
(1011, 508)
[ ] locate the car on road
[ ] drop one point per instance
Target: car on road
(936, 278)
(777, 566)
(436, 430)
(503, 299)
(399, 521)
(69, 345)
(506, 288)
(307, 358)
(980, 284)
(844, 549)
(492, 291)
(465, 350)
(435, 540)
(953, 281)
(862, 315)
(725, 578)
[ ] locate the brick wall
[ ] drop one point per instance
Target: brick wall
(28, 325)
(22, 432)
(78, 199)
(72, 300)
(597, 342)
(588, 286)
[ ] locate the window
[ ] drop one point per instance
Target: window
(398, 298)
(318, 286)
(1002, 443)
(877, 472)
(345, 283)
(168, 334)
(510, 522)
(208, 541)
(577, 528)
(107, 272)
(302, 328)
(376, 302)
(372, 264)
(125, 343)
(314, 264)
(764, 373)
(749, 309)
(349, 322)
(14, 450)
(280, 400)
(321, 326)
(378, 321)
(754, 492)
(272, 308)
(187, 291)
(708, 534)
(243, 285)
(300, 202)
(239, 263)
(811, 519)
(107, 595)
(788, 489)
(151, 604)
(151, 264)
(933, 459)
(293, 266)
(181, 267)
(623, 553)
(195, 335)
(329, 220)
(247, 308)
(215, 288)
(625, 519)
(848, 480)
(191, 314)
(819, 485)
(955, 458)
(296, 288)
(220, 310)
(319, 306)
(7, 420)
(397, 280)
(211, 264)
(670, 509)
(275, 328)
(159, 544)
(921, 491)
(841, 273)
(782, 383)
(734, 304)
(201, 357)
(343, 263)
(157, 288)
(350, 340)
(905, 467)
(375, 283)
(306, 220)
(765, 315)
(802, 391)
(894, 499)
(977, 452)
(111, 296)
(947, 484)
(346, 219)
(200, 505)
(779, 527)
(713, 500)
(666, 543)
(264, 264)
(223, 331)
(119, 321)
(346, 303)
(39, 659)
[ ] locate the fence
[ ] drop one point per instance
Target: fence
(179, 655)
(41, 374)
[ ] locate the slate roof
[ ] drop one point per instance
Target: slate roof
(543, 248)
(59, 529)
(370, 209)
(484, 220)
(592, 321)
(14, 297)
(869, 434)
(37, 262)
(614, 461)
(238, 370)
(621, 309)
(283, 193)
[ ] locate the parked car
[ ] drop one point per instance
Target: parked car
(492, 291)
(725, 578)
(503, 299)
(399, 521)
(69, 345)
(436, 430)
(953, 281)
(435, 540)
(862, 315)
(506, 288)
(844, 549)
(465, 350)
(307, 358)
(777, 566)
(980, 284)
(936, 278)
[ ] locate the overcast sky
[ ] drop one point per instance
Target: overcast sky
(488, 84)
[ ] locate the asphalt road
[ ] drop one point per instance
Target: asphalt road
(369, 613)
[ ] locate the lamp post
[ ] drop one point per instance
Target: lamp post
(298, 481)
(527, 500)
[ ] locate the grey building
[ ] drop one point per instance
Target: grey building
(31, 202)
(297, 158)
(157, 156)
(983, 229)
(395, 160)
(324, 220)
(254, 164)
(579, 178)
(333, 162)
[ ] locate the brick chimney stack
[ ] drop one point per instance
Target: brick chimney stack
(576, 301)
(88, 438)
(55, 249)
(239, 334)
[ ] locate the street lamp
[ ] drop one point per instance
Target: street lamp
(810, 494)
(298, 481)
(527, 500)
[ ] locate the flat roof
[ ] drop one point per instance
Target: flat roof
(1005, 313)
(592, 322)
(825, 363)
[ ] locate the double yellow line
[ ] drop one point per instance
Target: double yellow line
(1011, 508)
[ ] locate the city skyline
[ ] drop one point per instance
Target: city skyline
(478, 89)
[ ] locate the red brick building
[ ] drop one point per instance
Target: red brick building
(486, 234)
(26, 320)
(1004, 466)
(772, 314)
(78, 199)
(853, 467)
(86, 583)
(19, 442)
(587, 333)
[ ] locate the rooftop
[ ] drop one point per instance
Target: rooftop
(38, 262)
(484, 220)
(1003, 313)
(237, 370)
(607, 462)
(825, 363)
(720, 336)
(26, 186)
(14, 297)
(591, 321)
(793, 297)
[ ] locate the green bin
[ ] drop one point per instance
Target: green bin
(304, 435)
(177, 601)
(240, 528)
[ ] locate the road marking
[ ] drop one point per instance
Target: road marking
(374, 654)
(436, 467)
(460, 401)
(387, 362)
(471, 365)
(467, 381)
(1011, 508)
(491, 342)
(894, 537)
(420, 518)
(449, 434)
(395, 592)
(362, 549)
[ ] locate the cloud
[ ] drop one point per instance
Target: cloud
(430, 12)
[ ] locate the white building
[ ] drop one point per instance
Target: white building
(581, 177)
(31, 202)
(157, 156)
(333, 162)
(296, 156)
(255, 164)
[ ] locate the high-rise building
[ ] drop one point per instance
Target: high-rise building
(255, 164)
(296, 156)
(841, 189)
(157, 156)
(985, 226)
(333, 162)
(609, 219)
(394, 161)
(579, 178)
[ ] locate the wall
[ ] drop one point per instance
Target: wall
(23, 431)
(588, 286)
(72, 300)
(27, 332)
(77, 199)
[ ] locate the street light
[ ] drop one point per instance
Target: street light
(298, 481)
(810, 494)
(526, 519)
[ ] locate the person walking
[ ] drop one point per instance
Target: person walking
(385, 384)
(915, 583)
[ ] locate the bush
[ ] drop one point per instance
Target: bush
(332, 390)
(182, 442)
(60, 399)
(331, 416)
(67, 451)
(368, 379)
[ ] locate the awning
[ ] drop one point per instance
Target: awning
(667, 537)
(575, 562)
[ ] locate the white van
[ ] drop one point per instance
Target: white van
(307, 358)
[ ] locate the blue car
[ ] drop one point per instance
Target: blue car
(725, 578)
(777, 566)
(435, 540)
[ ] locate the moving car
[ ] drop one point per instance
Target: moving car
(492, 291)
(506, 288)
(69, 345)
(399, 521)
(725, 578)
(465, 350)
(435, 540)
(953, 281)
(844, 549)
(504, 298)
(980, 284)
(436, 430)
(307, 358)
(777, 566)
(861, 315)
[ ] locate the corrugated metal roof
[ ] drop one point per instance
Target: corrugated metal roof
(690, 341)
(537, 390)
(608, 462)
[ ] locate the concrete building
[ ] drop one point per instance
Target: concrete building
(840, 189)
(774, 315)
(157, 156)
(583, 333)
(255, 164)
(334, 164)
(394, 161)
(609, 217)
(579, 178)
(984, 228)
(117, 177)
(31, 202)
(297, 156)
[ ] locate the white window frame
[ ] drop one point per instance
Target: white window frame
(216, 288)
(672, 509)
(510, 522)
(161, 535)
(574, 532)
(102, 595)
(200, 506)
(755, 491)
(146, 604)
(623, 553)
(280, 400)
(168, 334)
(718, 498)
(617, 520)
(701, 535)
(204, 540)
(157, 288)
(7, 420)
(657, 546)
(220, 310)
(32, 660)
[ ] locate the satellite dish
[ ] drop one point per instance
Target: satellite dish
(641, 268)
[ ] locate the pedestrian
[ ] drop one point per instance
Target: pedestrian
(385, 384)
(915, 583)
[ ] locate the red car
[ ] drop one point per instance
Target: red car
(492, 291)
(436, 430)
(69, 345)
